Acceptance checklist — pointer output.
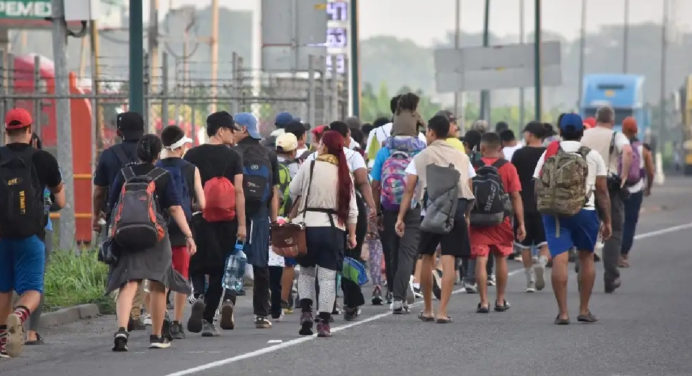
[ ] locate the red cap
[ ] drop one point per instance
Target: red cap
(629, 124)
(319, 130)
(590, 122)
(17, 118)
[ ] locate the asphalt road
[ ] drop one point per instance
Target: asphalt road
(644, 329)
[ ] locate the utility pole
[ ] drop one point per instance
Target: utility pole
(582, 47)
(664, 52)
(62, 91)
(537, 61)
(485, 95)
(457, 30)
(355, 59)
(214, 47)
(136, 58)
(521, 41)
(153, 48)
(625, 36)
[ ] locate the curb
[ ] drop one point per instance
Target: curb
(69, 315)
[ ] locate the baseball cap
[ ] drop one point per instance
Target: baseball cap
(287, 142)
(17, 118)
(130, 124)
(571, 123)
(282, 118)
(249, 121)
(535, 128)
(590, 122)
(629, 124)
(318, 130)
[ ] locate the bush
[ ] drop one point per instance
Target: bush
(73, 279)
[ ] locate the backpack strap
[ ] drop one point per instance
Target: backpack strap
(307, 196)
(584, 151)
(499, 163)
(156, 173)
(611, 149)
(478, 163)
(128, 173)
(121, 155)
(552, 149)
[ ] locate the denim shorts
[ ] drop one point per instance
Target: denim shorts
(579, 230)
(22, 264)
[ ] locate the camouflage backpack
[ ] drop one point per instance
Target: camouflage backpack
(561, 187)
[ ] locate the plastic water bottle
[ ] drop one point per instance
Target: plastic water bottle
(235, 269)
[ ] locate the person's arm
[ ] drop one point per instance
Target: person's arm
(603, 201)
(199, 191)
(361, 180)
(274, 207)
(178, 215)
(240, 206)
(376, 192)
(352, 242)
(650, 170)
(59, 195)
(626, 162)
(98, 203)
(518, 207)
(409, 191)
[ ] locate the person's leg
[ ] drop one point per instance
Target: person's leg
(260, 291)
(427, 262)
(35, 318)
(448, 277)
(502, 276)
(213, 296)
(527, 260)
(632, 206)
(275, 274)
(157, 306)
(482, 279)
(559, 282)
(138, 302)
(287, 276)
(327, 281)
(197, 280)
(390, 243)
(587, 276)
(613, 246)
(406, 255)
(123, 306)
(306, 287)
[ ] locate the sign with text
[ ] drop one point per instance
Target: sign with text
(25, 9)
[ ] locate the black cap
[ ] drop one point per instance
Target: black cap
(535, 128)
(131, 125)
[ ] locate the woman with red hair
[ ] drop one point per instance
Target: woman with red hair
(327, 206)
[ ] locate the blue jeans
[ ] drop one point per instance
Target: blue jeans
(632, 206)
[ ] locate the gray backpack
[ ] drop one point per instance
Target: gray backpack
(442, 197)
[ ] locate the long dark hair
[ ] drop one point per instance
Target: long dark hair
(334, 143)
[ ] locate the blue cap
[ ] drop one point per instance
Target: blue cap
(571, 123)
(283, 118)
(248, 120)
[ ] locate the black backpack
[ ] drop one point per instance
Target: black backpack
(492, 202)
(22, 210)
(257, 176)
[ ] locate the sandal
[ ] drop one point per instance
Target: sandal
(588, 318)
(444, 320)
(37, 341)
(482, 309)
(425, 318)
(559, 321)
(502, 308)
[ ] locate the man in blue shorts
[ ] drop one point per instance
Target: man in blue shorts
(580, 230)
(25, 173)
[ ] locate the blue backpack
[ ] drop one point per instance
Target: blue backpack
(257, 176)
(182, 175)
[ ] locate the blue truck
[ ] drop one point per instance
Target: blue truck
(623, 92)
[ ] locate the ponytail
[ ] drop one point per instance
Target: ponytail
(148, 148)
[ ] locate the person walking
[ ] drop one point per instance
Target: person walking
(218, 226)
(639, 183)
(328, 208)
(389, 184)
(579, 230)
(456, 242)
(261, 188)
(25, 173)
(616, 151)
(154, 263)
(496, 238)
(189, 185)
(525, 160)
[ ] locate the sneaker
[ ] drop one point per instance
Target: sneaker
(208, 329)
(471, 288)
(227, 318)
(287, 307)
(306, 322)
(3, 353)
(417, 292)
(410, 294)
(135, 324)
(261, 322)
(389, 297)
(120, 340)
(177, 331)
(377, 296)
(323, 329)
(491, 280)
(530, 287)
(398, 307)
(147, 319)
(351, 314)
(159, 342)
(15, 335)
(194, 323)
(437, 284)
(539, 270)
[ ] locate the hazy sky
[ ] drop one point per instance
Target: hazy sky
(428, 21)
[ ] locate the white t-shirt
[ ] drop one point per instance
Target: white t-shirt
(508, 151)
(353, 158)
(596, 164)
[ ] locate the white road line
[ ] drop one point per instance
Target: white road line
(297, 341)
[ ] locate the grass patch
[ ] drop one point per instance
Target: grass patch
(73, 279)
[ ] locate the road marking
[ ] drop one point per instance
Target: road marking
(297, 341)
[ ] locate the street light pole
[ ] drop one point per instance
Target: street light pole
(457, 30)
(485, 97)
(537, 61)
(355, 59)
(136, 58)
(521, 40)
(582, 46)
(625, 36)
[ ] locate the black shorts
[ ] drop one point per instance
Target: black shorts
(535, 232)
(456, 243)
(325, 248)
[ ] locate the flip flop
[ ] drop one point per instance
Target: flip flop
(425, 318)
(559, 321)
(444, 320)
(482, 309)
(502, 308)
(588, 318)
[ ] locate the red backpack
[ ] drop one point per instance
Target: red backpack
(219, 193)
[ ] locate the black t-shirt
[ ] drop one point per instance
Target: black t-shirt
(525, 160)
(166, 193)
(187, 170)
(45, 164)
(110, 164)
(215, 161)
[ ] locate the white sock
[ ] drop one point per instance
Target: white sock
(543, 261)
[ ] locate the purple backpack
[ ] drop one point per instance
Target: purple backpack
(402, 151)
(635, 174)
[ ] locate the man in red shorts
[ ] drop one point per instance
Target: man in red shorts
(499, 238)
(188, 184)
